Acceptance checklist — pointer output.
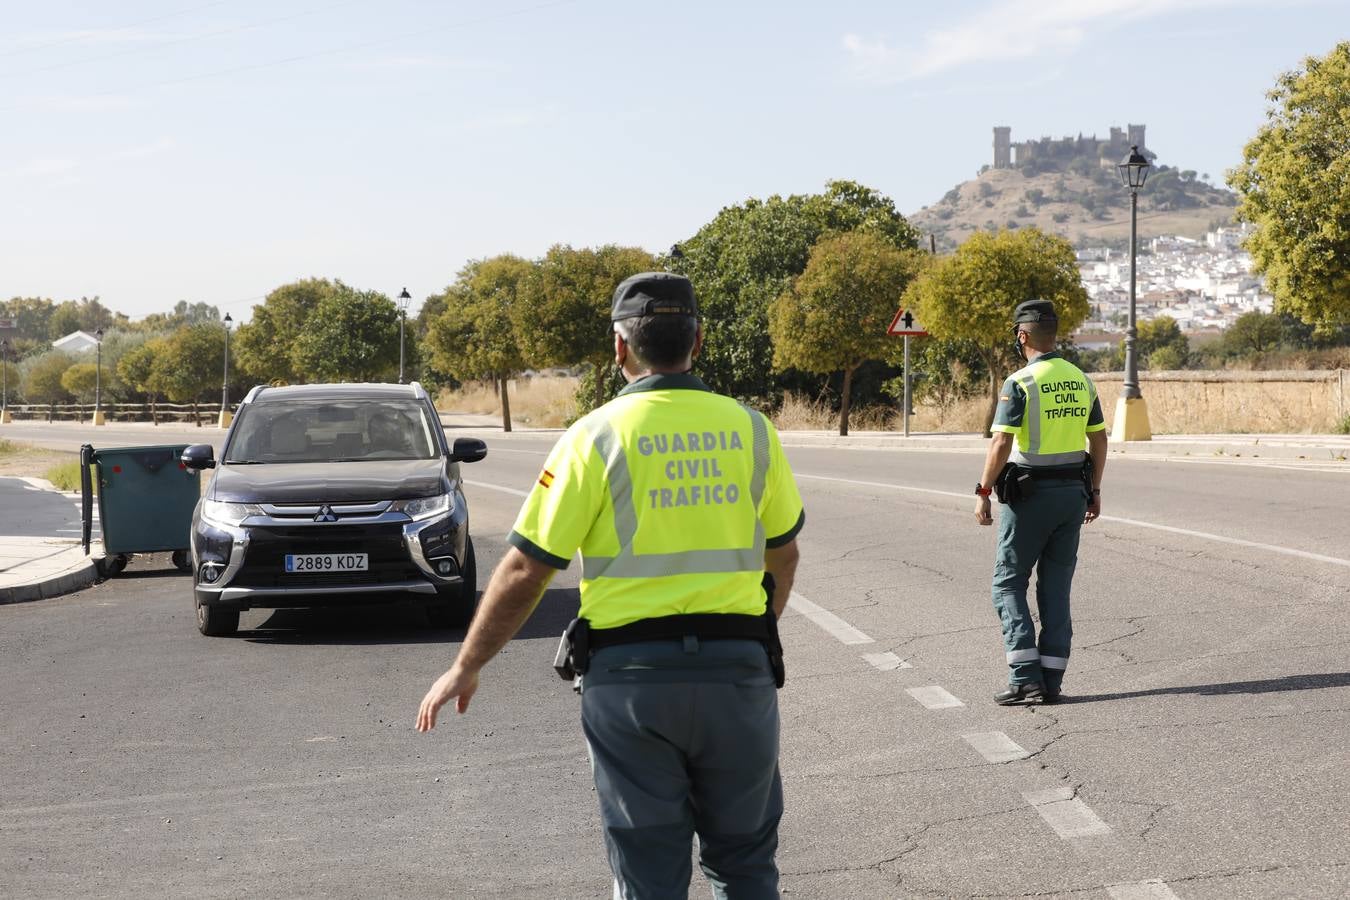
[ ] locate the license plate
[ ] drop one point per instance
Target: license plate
(327, 562)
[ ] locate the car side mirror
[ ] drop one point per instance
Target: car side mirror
(468, 450)
(198, 457)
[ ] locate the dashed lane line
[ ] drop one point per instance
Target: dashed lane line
(934, 697)
(886, 662)
(1066, 814)
(995, 746)
(837, 627)
(1203, 535)
(516, 492)
(1153, 889)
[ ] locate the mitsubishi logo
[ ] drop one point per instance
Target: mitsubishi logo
(326, 514)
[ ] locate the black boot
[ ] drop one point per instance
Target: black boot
(1020, 693)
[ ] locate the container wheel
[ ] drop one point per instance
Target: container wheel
(182, 560)
(117, 564)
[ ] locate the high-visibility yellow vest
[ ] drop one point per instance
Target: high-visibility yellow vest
(1050, 405)
(671, 493)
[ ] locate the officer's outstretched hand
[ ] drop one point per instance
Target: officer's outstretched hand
(983, 513)
(455, 683)
(1094, 508)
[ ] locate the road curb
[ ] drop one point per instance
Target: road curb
(76, 578)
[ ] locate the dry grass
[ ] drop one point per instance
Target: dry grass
(541, 402)
(799, 413)
(18, 459)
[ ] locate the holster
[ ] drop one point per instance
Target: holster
(772, 645)
(1014, 483)
(574, 650)
(1087, 476)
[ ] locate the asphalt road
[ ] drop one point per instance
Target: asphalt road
(1204, 753)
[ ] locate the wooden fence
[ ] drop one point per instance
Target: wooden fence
(205, 413)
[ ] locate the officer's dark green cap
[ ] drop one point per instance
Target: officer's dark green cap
(654, 294)
(1034, 311)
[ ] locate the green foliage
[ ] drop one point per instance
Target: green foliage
(970, 295)
(473, 336)
(190, 363)
(137, 367)
(1160, 344)
(262, 348)
(79, 380)
(352, 336)
(562, 318)
(1292, 182)
(834, 316)
(42, 381)
(749, 254)
(66, 477)
(12, 380)
(1253, 332)
(184, 313)
(1343, 427)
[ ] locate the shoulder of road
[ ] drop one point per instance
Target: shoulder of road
(41, 554)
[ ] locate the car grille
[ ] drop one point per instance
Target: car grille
(265, 560)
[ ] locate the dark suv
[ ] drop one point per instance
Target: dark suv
(333, 494)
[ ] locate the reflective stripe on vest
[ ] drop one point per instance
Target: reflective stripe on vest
(628, 564)
(1031, 454)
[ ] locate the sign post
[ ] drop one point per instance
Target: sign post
(905, 325)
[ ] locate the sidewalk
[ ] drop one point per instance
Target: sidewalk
(40, 551)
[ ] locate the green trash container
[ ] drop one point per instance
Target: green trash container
(145, 501)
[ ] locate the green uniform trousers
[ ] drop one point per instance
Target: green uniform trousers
(1040, 532)
(683, 738)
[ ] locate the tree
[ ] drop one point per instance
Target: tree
(749, 254)
(1292, 182)
(1253, 332)
(190, 365)
(1160, 343)
(473, 336)
(971, 294)
(263, 346)
(138, 368)
(351, 336)
(563, 316)
(42, 383)
(834, 316)
(81, 380)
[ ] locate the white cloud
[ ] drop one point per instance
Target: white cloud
(153, 148)
(1006, 30)
(45, 168)
(77, 103)
(427, 62)
(508, 119)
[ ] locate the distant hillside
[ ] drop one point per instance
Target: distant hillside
(1084, 202)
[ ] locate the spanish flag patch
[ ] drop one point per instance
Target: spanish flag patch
(546, 478)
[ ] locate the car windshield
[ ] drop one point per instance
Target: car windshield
(331, 430)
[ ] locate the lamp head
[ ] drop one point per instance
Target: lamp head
(1134, 169)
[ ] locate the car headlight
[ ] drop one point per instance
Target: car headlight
(425, 507)
(228, 513)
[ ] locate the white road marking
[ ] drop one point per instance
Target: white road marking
(837, 627)
(1203, 535)
(1153, 889)
(496, 449)
(498, 487)
(934, 697)
(1065, 813)
(995, 746)
(886, 662)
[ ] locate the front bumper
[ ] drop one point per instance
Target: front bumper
(243, 566)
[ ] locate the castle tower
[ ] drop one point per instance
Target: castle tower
(1137, 136)
(1003, 146)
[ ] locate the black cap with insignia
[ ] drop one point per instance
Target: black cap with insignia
(654, 294)
(1034, 311)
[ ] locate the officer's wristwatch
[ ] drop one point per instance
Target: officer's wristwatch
(982, 490)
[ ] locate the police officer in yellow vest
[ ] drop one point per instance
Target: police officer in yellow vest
(686, 514)
(1051, 484)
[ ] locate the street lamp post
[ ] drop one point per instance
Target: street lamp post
(4, 381)
(403, 298)
(225, 416)
(1131, 422)
(98, 377)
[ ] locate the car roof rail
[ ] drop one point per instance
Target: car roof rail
(253, 394)
(418, 390)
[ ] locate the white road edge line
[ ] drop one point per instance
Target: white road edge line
(1066, 814)
(1204, 535)
(995, 746)
(934, 697)
(886, 662)
(1153, 889)
(498, 487)
(837, 627)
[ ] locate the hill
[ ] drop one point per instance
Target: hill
(1084, 202)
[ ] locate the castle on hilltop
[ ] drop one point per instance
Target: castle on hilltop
(1008, 155)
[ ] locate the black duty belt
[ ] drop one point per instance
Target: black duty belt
(1073, 472)
(580, 640)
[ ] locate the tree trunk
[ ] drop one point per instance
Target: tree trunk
(51, 412)
(599, 385)
(506, 403)
(154, 409)
(845, 401)
(196, 417)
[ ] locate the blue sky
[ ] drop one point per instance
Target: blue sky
(158, 150)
